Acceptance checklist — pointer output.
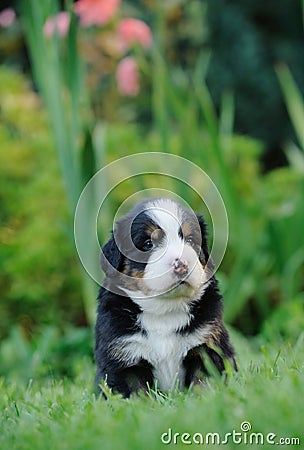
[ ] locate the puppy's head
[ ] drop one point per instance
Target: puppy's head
(158, 249)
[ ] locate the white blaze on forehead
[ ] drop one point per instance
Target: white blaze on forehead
(159, 275)
(167, 215)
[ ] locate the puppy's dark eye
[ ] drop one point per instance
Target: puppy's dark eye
(189, 240)
(148, 245)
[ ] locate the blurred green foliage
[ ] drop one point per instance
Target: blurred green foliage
(247, 40)
(50, 354)
(39, 268)
(286, 323)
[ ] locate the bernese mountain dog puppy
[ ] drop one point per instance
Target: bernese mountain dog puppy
(159, 309)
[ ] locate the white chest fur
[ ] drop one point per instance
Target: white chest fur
(164, 348)
(161, 345)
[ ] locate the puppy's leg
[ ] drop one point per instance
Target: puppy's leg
(139, 377)
(127, 381)
(195, 370)
(219, 339)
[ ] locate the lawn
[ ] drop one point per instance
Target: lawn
(264, 397)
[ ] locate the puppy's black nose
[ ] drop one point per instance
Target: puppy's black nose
(180, 267)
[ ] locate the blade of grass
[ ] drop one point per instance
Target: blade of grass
(293, 99)
(159, 79)
(59, 79)
(295, 157)
(46, 63)
(226, 120)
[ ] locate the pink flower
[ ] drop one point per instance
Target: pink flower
(95, 12)
(132, 31)
(127, 76)
(7, 17)
(59, 23)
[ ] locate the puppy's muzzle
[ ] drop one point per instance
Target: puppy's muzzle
(180, 267)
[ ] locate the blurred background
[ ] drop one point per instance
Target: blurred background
(219, 82)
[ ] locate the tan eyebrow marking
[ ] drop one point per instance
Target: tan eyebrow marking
(151, 228)
(186, 229)
(155, 232)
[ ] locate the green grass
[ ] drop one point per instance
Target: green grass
(268, 392)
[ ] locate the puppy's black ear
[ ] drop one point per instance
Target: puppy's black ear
(110, 257)
(204, 244)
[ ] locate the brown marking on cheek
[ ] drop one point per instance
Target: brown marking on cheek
(134, 280)
(131, 284)
(132, 272)
(126, 270)
(136, 273)
(186, 229)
